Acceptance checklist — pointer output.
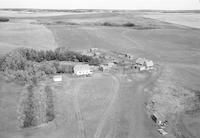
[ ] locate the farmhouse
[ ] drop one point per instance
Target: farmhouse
(82, 70)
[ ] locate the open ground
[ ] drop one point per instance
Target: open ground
(109, 105)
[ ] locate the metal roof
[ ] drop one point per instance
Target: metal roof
(82, 67)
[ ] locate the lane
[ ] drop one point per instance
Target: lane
(115, 85)
(133, 120)
(81, 129)
(140, 130)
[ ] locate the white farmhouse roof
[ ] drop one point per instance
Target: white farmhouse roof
(82, 69)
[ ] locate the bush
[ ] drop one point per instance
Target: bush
(107, 24)
(48, 68)
(3, 19)
(13, 61)
(129, 24)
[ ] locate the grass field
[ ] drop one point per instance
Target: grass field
(23, 34)
(172, 45)
(187, 19)
(9, 102)
(91, 107)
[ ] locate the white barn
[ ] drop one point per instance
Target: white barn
(82, 70)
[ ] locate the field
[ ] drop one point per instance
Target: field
(15, 34)
(112, 105)
(188, 19)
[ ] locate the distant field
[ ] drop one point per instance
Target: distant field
(38, 13)
(158, 44)
(186, 19)
(9, 101)
(24, 34)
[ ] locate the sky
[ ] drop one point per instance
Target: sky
(103, 4)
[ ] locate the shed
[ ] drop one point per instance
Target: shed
(158, 118)
(129, 56)
(57, 78)
(140, 67)
(93, 49)
(140, 61)
(110, 64)
(149, 63)
(103, 67)
(82, 70)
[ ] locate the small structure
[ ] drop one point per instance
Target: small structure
(129, 56)
(106, 66)
(149, 64)
(57, 78)
(82, 70)
(143, 64)
(140, 67)
(110, 64)
(93, 49)
(97, 54)
(162, 132)
(103, 67)
(140, 61)
(159, 119)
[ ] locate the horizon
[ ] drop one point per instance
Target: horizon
(99, 9)
(102, 4)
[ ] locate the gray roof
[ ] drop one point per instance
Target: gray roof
(81, 67)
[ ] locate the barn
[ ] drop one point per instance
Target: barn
(82, 70)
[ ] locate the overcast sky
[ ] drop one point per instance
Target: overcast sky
(102, 4)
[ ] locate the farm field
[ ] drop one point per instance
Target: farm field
(187, 19)
(35, 13)
(24, 34)
(112, 105)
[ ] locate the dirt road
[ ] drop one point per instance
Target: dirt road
(126, 116)
(81, 130)
(101, 125)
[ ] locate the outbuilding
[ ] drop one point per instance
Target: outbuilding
(149, 64)
(159, 118)
(144, 64)
(57, 78)
(140, 67)
(129, 56)
(140, 61)
(82, 70)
